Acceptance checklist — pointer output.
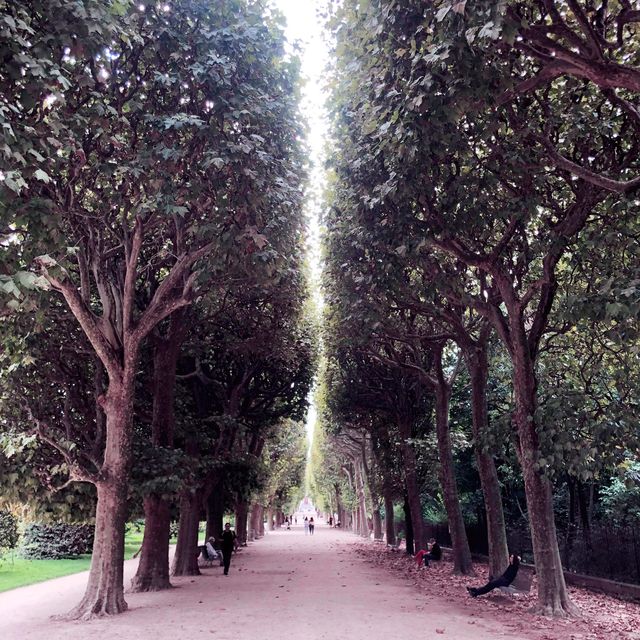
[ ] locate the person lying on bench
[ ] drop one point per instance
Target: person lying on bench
(503, 581)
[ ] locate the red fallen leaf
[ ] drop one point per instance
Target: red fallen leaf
(439, 630)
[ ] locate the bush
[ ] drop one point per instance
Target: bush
(56, 541)
(8, 531)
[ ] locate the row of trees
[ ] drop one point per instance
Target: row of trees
(483, 235)
(157, 346)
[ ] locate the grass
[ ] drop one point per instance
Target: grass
(22, 572)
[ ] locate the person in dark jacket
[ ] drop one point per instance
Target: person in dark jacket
(503, 581)
(227, 545)
(435, 552)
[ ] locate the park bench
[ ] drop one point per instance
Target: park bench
(520, 586)
(208, 560)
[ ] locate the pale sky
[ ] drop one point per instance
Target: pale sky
(304, 26)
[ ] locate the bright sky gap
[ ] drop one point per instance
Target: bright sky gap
(305, 29)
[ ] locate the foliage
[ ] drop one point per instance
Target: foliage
(54, 541)
(621, 498)
(9, 534)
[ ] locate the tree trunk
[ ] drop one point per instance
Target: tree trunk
(254, 523)
(553, 598)
(363, 528)
(153, 568)
(572, 526)
(460, 545)
(478, 367)
(215, 511)
(377, 524)
(104, 593)
(411, 484)
(185, 561)
(388, 515)
(408, 527)
(261, 521)
(242, 509)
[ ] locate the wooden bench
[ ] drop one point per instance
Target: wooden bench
(520, 586)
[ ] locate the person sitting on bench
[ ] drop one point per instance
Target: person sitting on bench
(503, 581)
(209, 553)
(434, 553)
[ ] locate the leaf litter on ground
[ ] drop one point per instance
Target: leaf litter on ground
(604, 617)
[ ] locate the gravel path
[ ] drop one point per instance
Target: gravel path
(286, 585)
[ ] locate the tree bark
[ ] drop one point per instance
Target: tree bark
(377, 524)
(460, 545)
(153, 568)
(478, 367)
(215, 511)
(242, 509)
(104, 594)
(185, 561)
(553, 598)
(388, 515)
(363, 527)
(408, 527)
(411, 484)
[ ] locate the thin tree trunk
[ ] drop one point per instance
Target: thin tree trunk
(572, 525)
(411, 484)
(185, 561)
(104, 593)
(553, 598)
(388, 515)
(460, 545)
(363, 529)
(478, 367)
(408, 527)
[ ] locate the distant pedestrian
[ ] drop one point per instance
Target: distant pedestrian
(227, 546)
(306, 525)
(312, 526)
(330, 521)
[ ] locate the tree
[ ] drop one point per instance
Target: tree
(171, 94)
(481, 185)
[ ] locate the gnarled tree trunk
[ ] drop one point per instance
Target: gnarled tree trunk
(104, 594)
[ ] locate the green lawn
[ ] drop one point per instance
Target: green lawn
(23, 572)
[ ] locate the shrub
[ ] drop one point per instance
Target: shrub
(8, 531)
(56, 540)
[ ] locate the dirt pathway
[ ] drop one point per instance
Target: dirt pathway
(285, 585)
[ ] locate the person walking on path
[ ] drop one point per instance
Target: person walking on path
(503, 581)
(227, 546)
(306, 525)
(312, 526)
